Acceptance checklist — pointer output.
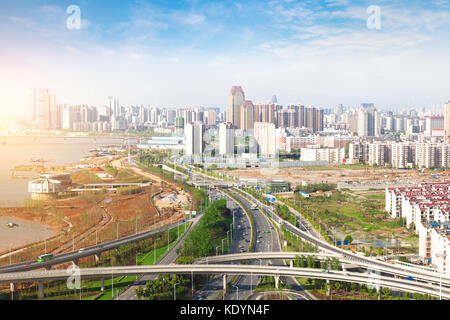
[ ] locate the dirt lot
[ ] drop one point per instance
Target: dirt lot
(337, 174)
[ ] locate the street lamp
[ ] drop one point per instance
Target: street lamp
(222, 245)
(174, 291)
(237, 292)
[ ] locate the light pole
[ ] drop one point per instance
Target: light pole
(231, 228)
(442, 256)
(228, 242)
(237, 292)
(96, 236)
(174, 291)
(10, 254)
(222, 245)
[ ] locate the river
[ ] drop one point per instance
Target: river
(17, 150)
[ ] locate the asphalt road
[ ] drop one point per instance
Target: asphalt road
(168, 258)
(266, 242)
(240, 243)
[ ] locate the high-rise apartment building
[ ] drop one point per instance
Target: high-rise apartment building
(235, 100)
(247, 113)
(264, 133)
(226, 138)
(113, 104)
(194, 138)
(447, 121)
(42, 108)
(369, 121)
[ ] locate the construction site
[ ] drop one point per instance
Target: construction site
(350, 177)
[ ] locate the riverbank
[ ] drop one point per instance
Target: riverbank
(23, 233)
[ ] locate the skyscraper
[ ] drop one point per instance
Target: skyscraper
(447, 121)
(42, 108)
(247, 113)
(113, 104)
(368, 121)
(235, 100)
(265, 136)
(226, 138)
(194, 138)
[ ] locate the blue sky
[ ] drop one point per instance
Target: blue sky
(173, 53)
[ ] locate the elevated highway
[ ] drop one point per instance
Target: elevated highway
(275, 271)
(74, 256)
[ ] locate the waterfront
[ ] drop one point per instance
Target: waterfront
(59, 150)
(23, 233)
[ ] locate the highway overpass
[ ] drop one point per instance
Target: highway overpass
(74, 256)
(275, 271)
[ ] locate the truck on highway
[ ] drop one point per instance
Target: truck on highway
(254, 207)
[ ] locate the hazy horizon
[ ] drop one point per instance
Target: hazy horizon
(180, 53)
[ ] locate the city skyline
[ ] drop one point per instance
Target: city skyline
(190, 53)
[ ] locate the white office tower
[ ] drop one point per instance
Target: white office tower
(447, 121)
(226, 138)
(193, 133)
(265, 136)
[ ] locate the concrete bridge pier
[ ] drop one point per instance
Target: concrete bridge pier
(224, 283)
(328, 287)
(41, 288)
(11, 289)
(75, 262)
(97, 258)
(277, 282)
(379, 292)
(291, 263)
(102, 284)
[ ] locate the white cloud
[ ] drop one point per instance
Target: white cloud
(191, 18)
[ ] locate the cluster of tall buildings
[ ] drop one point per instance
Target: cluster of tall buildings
(47, 114)
(401, 154)
(243, 114)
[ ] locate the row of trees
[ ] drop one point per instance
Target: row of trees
(208, 234)
(314, 187)
(163, 287)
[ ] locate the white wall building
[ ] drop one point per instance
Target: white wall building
(194, 138)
